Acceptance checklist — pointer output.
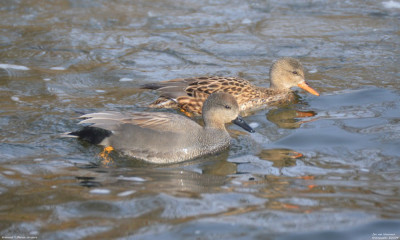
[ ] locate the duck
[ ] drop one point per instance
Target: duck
(189, 94)
(164, 137)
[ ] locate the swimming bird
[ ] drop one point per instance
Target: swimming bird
(161, 137)
(188, 94)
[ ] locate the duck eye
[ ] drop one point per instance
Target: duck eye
(295, 73)
(227, 107)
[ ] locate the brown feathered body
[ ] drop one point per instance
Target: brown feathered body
(188, 94)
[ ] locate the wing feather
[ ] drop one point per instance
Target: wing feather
(159, 121)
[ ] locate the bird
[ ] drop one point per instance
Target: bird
(163, 137)
(188, 94)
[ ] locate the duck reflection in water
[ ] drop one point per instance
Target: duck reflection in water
(280, 157)
(289, 118)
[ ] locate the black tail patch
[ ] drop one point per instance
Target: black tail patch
(152, 86)
(92, 135)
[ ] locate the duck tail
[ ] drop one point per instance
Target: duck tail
(151, 86)
(92, 135)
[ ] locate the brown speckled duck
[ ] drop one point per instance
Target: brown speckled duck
(188, 94)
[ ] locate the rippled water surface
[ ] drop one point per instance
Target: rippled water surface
(322, 168)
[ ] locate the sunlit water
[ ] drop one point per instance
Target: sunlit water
(330, 174)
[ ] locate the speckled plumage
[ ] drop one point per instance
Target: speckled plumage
(189, 94)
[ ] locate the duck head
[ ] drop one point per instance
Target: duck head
(286, 73)
(221, 108)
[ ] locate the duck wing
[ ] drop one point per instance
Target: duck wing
(190, 93)
(158, 121)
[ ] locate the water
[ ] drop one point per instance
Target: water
(333, 174)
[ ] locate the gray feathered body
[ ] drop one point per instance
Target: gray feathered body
(158, 137)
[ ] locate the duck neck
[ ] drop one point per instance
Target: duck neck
(274, 86)
(278, 88)
(215, 128)
(277, 83)
(272, 90)
(214, 124)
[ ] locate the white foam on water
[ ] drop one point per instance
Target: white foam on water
(100, 191)
(254, 124)
(12, 66)
(9, 172)
(15, 98)
(126, 193)
(135, 179)
(126, 80)
(391, 4)
(58, 68)
(246, 21)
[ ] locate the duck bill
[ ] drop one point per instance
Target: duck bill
(305, 86)
(241, 123)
